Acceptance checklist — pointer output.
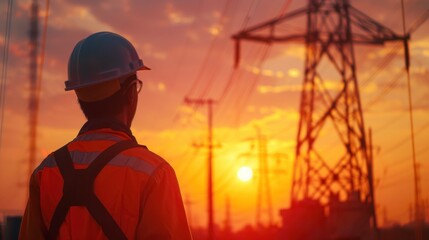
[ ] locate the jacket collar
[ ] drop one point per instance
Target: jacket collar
(113, 124)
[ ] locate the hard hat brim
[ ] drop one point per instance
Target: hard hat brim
(144, 68)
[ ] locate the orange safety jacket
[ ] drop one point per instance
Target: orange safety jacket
(137, 189)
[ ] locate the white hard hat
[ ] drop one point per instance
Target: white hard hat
(100, 58)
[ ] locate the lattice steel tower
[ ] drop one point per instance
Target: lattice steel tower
(329, 109)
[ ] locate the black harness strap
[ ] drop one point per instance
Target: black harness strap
(78, 190)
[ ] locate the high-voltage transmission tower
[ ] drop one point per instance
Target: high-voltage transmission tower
(34, 85)
(333, 28)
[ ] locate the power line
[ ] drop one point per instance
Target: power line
(177, 116)
(244, 92)
(233, 83)
(185, 44)
(233, 74)
(203, 68)
(417, 191)
(227, 179)
(249, 14)
(392, 184)
(403, 173)
(207, 57)
(285, 7)
(388, 59)
(386, 90)
(216, 71)
(396, 119)
(417, 24)
(244, 97)
(184, 166)
(397, 145)
(195, 176)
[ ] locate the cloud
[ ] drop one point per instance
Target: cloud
(420, 48)
(215, 29)
(77, 17)
(369, 88)
(189, 115)
(18, 49)
(157, 87)
(298, 51)
(328, 84)
(279, 74)
(421, 75)
(279, 89)
(176, 17)
(293, 72)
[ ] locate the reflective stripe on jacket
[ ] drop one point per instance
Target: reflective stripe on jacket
(138, 188)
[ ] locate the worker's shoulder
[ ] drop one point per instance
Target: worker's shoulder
(140, 158)
(147, 160)
(48, 162)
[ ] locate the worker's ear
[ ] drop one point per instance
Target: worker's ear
(131, 94)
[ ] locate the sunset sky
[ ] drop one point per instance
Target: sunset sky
(188, 45)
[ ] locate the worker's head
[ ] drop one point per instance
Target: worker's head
(102, 70)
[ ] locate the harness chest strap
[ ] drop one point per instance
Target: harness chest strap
(78, 190)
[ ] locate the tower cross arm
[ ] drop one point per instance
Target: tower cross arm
(269, 39)
(369, 31)
(253, 34)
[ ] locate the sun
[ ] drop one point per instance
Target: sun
(245, 174)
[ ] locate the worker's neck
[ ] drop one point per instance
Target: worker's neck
(122, 119)
(125, 118)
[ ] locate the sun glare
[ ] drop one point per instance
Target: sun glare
(245, 174)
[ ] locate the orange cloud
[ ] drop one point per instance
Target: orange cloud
(279, 89)
(77, 17)
(176, 17)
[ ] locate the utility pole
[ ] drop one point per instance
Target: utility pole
(418, 209)
(209, 102)
(418, 224)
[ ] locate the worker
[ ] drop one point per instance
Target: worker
(102, 184)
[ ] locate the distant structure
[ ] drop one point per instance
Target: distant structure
(264, 189)
(34, 85)
(210, 146)
(332, 195)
